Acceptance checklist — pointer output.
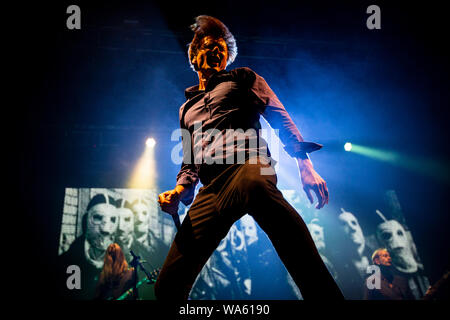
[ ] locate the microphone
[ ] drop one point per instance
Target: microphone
(176, 220)
(134, 255)
(175, 217)
(137, 258)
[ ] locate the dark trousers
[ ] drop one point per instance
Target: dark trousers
(241, 189)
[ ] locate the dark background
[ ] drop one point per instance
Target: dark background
(87, 99)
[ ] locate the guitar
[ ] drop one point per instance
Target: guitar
(149, 280)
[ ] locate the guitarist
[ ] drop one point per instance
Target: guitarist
(116, 277)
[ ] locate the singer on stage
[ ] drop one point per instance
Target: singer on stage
(237, 177)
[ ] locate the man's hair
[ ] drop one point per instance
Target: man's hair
(376, 253)
(209, 26)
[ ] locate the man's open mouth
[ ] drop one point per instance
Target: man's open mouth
(213, 60)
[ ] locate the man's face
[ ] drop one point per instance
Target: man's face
(212, 54)
(102, 225)
(248, 227)
(141, 218)
(317, 235)
(351, 227)
(126, 225)
(384, 258)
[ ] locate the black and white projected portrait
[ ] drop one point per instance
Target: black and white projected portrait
(95, 218)
(125, 230)
(264, 265)
(249, 229)
(142, 221)
(92, 228)
(352, 230)
(102, 222)
(317, 233)
(244, 264)
(393, 236)
(349, 254)
(225, 275)
(242, 267)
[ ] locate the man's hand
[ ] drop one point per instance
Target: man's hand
(169, 200)
(312, 181)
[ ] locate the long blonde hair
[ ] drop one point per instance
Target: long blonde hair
(114, 265)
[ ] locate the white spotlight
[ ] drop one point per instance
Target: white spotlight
(150, 142)
(348, 146)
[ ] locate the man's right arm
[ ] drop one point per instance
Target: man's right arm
(183, 191)
(187, 179)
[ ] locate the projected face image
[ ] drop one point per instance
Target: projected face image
(234, 241)
(141, 218)
(221, 252)
(237, 239)
(102, 225)
(292, 196)
(352, 229)
(317, 235)
(248, 226)
(393, 236)
(126, 225)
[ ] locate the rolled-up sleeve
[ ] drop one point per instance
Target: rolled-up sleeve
(187, 176)
(278, 118)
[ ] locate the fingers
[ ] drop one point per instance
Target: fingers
(162, 198)
(165, 197)
(308, 194)
(319, 195)
(321, 192)
(168, 203)
(327, 195)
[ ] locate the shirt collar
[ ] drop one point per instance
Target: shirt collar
(191, 92)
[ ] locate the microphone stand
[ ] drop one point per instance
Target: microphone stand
(135, 263)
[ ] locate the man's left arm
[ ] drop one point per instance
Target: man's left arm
(278, 118)
(312, 181)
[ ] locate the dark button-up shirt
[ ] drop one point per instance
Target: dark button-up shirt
(390, 289)
(231, 100)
